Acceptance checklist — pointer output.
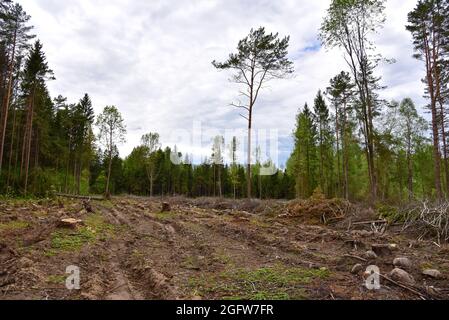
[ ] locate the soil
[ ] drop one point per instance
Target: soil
(127, 249)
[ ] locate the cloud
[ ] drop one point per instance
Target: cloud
(152, 59)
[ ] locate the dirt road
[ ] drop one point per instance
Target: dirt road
(126, 249)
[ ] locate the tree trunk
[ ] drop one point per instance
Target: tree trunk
(7, 100)
(337, 128)
(11, 149)
(110, 165)
(220, 190)
(29, 139)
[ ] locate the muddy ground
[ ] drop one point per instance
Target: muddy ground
(204, 249)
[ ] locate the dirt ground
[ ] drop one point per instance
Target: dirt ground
(203, 249)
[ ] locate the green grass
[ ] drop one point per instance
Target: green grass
(14, 225)
(95, 228)
(57, 279)
(166, 215)
(268, 283)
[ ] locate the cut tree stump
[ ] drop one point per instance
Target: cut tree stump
(87, 206)
(166, 207)
(69, 223)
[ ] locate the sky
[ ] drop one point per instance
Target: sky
(152, 60)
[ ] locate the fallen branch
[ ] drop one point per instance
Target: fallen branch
(355, 257)
(403, 286)
(369, 222)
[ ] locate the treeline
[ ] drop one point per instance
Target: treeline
(349, 142)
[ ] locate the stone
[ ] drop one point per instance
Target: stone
(403, 263)
(357, 269)
(402, 276)
(393, 246)
(433, 273)
(370, 255)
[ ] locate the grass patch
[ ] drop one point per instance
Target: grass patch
(95, 228)
(191, 263)
(259, 223)
(166, 215)
(56, 279)
(14, 225)
(269, 283)
(222, 257)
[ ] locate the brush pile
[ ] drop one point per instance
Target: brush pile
(319, 210)
(429, 220)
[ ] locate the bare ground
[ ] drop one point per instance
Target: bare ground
(203, 249)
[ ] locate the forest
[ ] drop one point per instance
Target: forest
(349, 141)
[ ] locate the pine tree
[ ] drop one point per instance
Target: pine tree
(428, 24)
(324, 144)
(36, 72)
(304, 162)
(15, 31)
(112, 132)
(341, 95)
(261, 57)
(349, 25)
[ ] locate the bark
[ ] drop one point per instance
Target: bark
(28, 143)
(110, 164)
(11, 149)
(433, 109)
(7, 101)
(345, 155)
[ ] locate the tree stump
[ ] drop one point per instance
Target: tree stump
(166, 207)
(87, 206)
(69, 223)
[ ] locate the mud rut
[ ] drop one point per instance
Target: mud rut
(155, 256)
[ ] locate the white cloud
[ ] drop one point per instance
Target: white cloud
(152, 59)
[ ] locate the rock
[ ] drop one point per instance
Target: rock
(166, 207)
(403, 263)
(393, 246)
(357, 269)
(433, 273)
(382, 249)
(402, 276)
(370, 255)
(69, 223)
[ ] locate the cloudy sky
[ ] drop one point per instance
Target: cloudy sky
(152, 59)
